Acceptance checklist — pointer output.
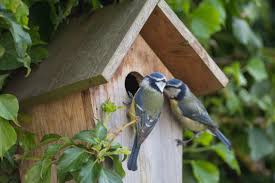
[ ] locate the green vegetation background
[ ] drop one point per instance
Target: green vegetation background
(238, 34)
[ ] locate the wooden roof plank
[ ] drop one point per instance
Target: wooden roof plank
(181, 52)
(88, 48)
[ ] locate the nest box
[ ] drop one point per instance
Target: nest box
(103, 55)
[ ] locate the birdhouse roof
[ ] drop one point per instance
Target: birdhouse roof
(88, 50)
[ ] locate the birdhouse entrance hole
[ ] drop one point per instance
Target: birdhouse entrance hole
(132, 81)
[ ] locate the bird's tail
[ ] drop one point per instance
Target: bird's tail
(221, 137)
(132, 161)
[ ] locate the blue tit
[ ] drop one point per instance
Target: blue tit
(146, 107)
(189, 110)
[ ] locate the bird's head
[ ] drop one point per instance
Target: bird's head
(155, 81)
(175, 89)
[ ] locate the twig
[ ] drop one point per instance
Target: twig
(121, 129)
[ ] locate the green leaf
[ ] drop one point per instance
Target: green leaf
(19, 9)
(108, 176)
(207, 19)
(259, 143)
(72, 159)
(256, 69)
(39, 173)
(204, 139)
(235, 71)
(9, 60)
(48, 138)
(9, 107)
(101, 131)
(26, 139)
(205, 172)
(38, 53)
(118, 168)
(3, 78)
(86, 136)
(233, 103)
(46, 166)
(2, 50)
(21, 38)
(244, 33)
(52, 150)
(7, 136)
(89, 173)
(227, 156)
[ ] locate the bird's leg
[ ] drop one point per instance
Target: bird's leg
(130, 96)
(185, 142)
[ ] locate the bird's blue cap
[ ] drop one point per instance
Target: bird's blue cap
(174, 83)
(158, 76)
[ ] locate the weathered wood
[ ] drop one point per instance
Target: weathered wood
(65, 116)
(180, 52)
(160, 160)
(88, 50)
(85, 53)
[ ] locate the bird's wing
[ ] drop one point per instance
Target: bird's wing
(146, 122)
(192, 108)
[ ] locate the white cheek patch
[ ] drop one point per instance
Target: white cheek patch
(161, 85)
(172, 92)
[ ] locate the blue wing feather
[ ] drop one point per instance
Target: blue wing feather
(146, 122)
(193, 109)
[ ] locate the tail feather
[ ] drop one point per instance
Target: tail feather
(132, 161)
(221, 137)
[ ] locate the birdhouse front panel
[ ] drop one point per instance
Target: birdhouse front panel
(160, 160)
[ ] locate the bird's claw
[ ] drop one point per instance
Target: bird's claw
(182, 142)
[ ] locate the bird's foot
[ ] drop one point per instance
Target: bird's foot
(183, 142)
(128, 103)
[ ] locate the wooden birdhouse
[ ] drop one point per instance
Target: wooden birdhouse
(103, 56)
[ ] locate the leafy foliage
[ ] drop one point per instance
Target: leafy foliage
(240, 37)
(90, 156)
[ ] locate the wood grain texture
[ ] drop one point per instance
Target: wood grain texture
(180, 52)
(65, 116)
(85, 53)
(160, 160)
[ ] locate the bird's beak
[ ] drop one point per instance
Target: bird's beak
(161, 85)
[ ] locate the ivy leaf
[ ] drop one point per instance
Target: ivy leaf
(259, 143)
(48, 138)
(7, 136)
(205, 172)
(9, 107)
(118, 168)
(206, 20)
(244, 33)
(108, 176)
(256, 69)
(72, 159)
(227, 156)
(38, 53)
(89, 173)
(39, 173)
(86, 136)
(26, 139)
(101, 131)
(204, 139)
